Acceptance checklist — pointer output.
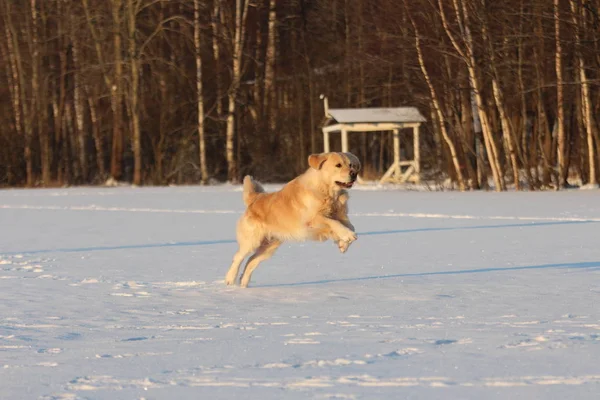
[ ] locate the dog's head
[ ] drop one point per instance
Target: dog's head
(337, 170)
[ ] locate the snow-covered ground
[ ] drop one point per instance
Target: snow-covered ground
(117, 293)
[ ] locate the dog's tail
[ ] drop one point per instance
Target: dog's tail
(251, 190)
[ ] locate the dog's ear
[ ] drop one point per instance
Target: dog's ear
(316, 160)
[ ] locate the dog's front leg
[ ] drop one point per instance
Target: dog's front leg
(341, 214)
(338, 231)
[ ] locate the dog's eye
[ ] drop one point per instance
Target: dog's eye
(339, 165)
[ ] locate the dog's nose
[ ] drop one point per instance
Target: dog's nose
(353, 174)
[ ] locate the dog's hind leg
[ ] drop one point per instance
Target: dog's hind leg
(239, 256)
(249, 238)
(264, 252)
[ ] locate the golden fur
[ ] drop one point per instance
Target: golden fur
(313, 206)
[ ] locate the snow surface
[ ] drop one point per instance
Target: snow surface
(117, 293)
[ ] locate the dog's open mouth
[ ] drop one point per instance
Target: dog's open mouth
(346, 185)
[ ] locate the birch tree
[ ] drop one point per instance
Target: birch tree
(87, 91)
(507, 128)
(586, 101)
(441, 119)
(269, 91)
(560, 107)
(79, 103)
(466, 51)
(20, 97)
(241, 13)
(217, 22)
(114, 81)
(200, 96)
(133, 7)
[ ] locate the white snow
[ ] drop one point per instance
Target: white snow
(118, 293)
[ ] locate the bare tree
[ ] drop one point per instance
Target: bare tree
(20, 97)
(98, 139)
(560, 108)
(116, 90)
(586, 101)
(200, 96)
(270, 66)
(112, 81)
(466, 51)
(133, 8)
(217, 22)
(499, 98)
(241, 13)
(441, 119)
(78, 104)
(89, 88)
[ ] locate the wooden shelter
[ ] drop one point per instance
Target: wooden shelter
(346, 120)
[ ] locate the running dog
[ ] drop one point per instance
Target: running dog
(313, 206)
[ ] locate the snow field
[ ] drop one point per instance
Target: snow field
(118, 294)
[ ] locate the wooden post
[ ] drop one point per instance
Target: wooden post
(399, 152)
(325, 104)
(344, 141)
(417, 153)
(397, 169)
(325, 141)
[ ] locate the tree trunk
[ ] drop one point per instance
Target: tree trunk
(21, 101)
(468, 132)
(78, 103)
(69, 146)
(311, 94)
(269, 93)
(39, 97)
(348, 53)
(61, 110)
(200, 96)
(544, 137)
(560, 107)
(300, 108)
(300, 125)
(116, 96)
(216, 23)
(468, 56)
(488, 137)
(523, 19)
(311, 112)
(588, 119)
(259, 104)
(112, 89)
(361, 75)
(13, 79)
(134, 67)
(438, 110)
(500, 104)
(241, 12)
(98, 140)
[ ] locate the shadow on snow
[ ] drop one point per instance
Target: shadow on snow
(579, 265)
(229, 241)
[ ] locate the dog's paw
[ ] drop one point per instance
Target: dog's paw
(343, 246)
(229, 280)
(348, 236)
(244, 283)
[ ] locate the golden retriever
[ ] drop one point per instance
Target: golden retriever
(313, 206)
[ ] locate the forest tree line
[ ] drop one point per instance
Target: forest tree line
(188, 91)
